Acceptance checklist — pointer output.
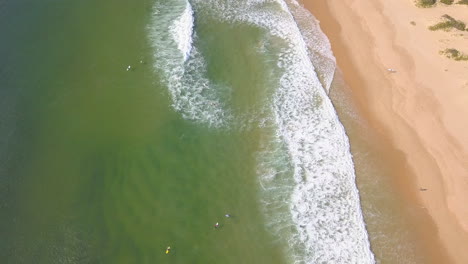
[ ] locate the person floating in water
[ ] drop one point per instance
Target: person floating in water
(129, 67)
(216, 225)
(168, 250)
(227, 215)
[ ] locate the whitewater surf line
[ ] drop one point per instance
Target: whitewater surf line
(317, 43)
(305, 170)
(182, 67)
(182, 30)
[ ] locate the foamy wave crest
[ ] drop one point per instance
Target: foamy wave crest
(307, 174)
(317, 43)
(182, 31)
(182, 67)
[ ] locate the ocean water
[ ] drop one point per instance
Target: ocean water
(225, 109)
(306, 176)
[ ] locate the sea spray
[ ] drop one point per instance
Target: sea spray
(305, 170)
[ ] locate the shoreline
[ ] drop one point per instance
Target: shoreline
(414, 109)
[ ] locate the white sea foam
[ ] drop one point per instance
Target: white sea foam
(317, 43)
(325, 202)
(305, 167)
(182, 67)
(182, 31)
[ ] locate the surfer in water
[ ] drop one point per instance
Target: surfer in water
(216, 225)
(168, 250)
(227, 215)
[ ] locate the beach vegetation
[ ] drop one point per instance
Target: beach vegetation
(455, 54)
(448, 24)
(462, 2)
(426, 3)
(447, 2)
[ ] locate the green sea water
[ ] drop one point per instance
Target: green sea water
(96, 166)
(103, 165)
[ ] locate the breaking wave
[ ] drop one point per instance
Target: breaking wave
(182, 31)
(181, 66)
(305, 170)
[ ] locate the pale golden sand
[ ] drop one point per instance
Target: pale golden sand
(421, 107)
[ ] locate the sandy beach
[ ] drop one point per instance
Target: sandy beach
(413, 96)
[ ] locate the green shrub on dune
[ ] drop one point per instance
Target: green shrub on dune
(454, 54)
(426, 3)
(449, 23)
(431, 3)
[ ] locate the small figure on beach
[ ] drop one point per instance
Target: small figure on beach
(391, 70)
(216, 225)
(168, 250)
(227, 215)
(129, 67)
(422, 189)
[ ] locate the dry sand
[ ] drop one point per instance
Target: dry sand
(422, 108)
